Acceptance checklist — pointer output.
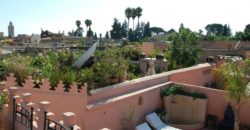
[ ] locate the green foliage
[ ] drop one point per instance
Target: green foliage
(68, 78)
(171, 90)
(90, 33)
(236, 83)
(161, 113)
(88, 23)
(87, 75)
(3, 100)
(185, 49)
(218, 78)
(245, 36)
(214, 29)
(116, 32)
(19, 65)
(79, 29)
(147, 31)
(156, 51)
(95, 36)
(128, 14)
(130, 53)
(238, 87)
(107, 35)
(124, 29)
(109, 64)
(134, 69)
(177, 89)
(158, 69)
(45, 33)
(157, 30)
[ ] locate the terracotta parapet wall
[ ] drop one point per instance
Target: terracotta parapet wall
(217, 102)
(198, 75)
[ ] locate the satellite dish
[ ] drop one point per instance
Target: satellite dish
(35, 39)
(85, 56)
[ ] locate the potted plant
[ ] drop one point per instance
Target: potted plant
(181, 105)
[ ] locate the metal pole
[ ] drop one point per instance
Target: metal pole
(45, 116)
(14, 113)
(31, 119)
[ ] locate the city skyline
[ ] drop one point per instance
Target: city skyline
(60, 15)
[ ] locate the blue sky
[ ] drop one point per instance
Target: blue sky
(29, 16)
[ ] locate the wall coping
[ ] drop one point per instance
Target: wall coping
(50, 92)
(147, 78)
(200, 87)
(125, 96)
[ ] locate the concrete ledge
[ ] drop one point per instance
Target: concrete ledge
(116, 99)
(147, 78)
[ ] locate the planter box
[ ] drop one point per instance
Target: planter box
(184, 109)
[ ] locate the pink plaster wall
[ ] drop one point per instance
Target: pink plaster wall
(193, 76)
(107, 106)
(217, 102)
(126, 87)
(110, 114)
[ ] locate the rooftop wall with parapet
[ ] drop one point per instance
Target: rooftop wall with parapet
(106, 107)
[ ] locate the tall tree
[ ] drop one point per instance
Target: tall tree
(116, 32)
(107, 35)
(147, 30)
(95, 36)
(79, 29)
(214, 29)
(181, 27)
(245, 36)
(124, 31)
(226, 30)
(157, 30)
(90, 33)
(128, 14)
(247, 28)
(134, 15)
(45, 34)
(185, 49)
(88, 23)
(138, 13)
(78, 23)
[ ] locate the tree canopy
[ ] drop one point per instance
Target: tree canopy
(185, 50)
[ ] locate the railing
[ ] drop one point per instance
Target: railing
(22, 115)
(53, 125)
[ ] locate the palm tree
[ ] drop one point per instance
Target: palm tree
(88, 23)
(78, 23)
(134, 14)
(128, 14)
(237, 86)
(138, 13)
(185, 49)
